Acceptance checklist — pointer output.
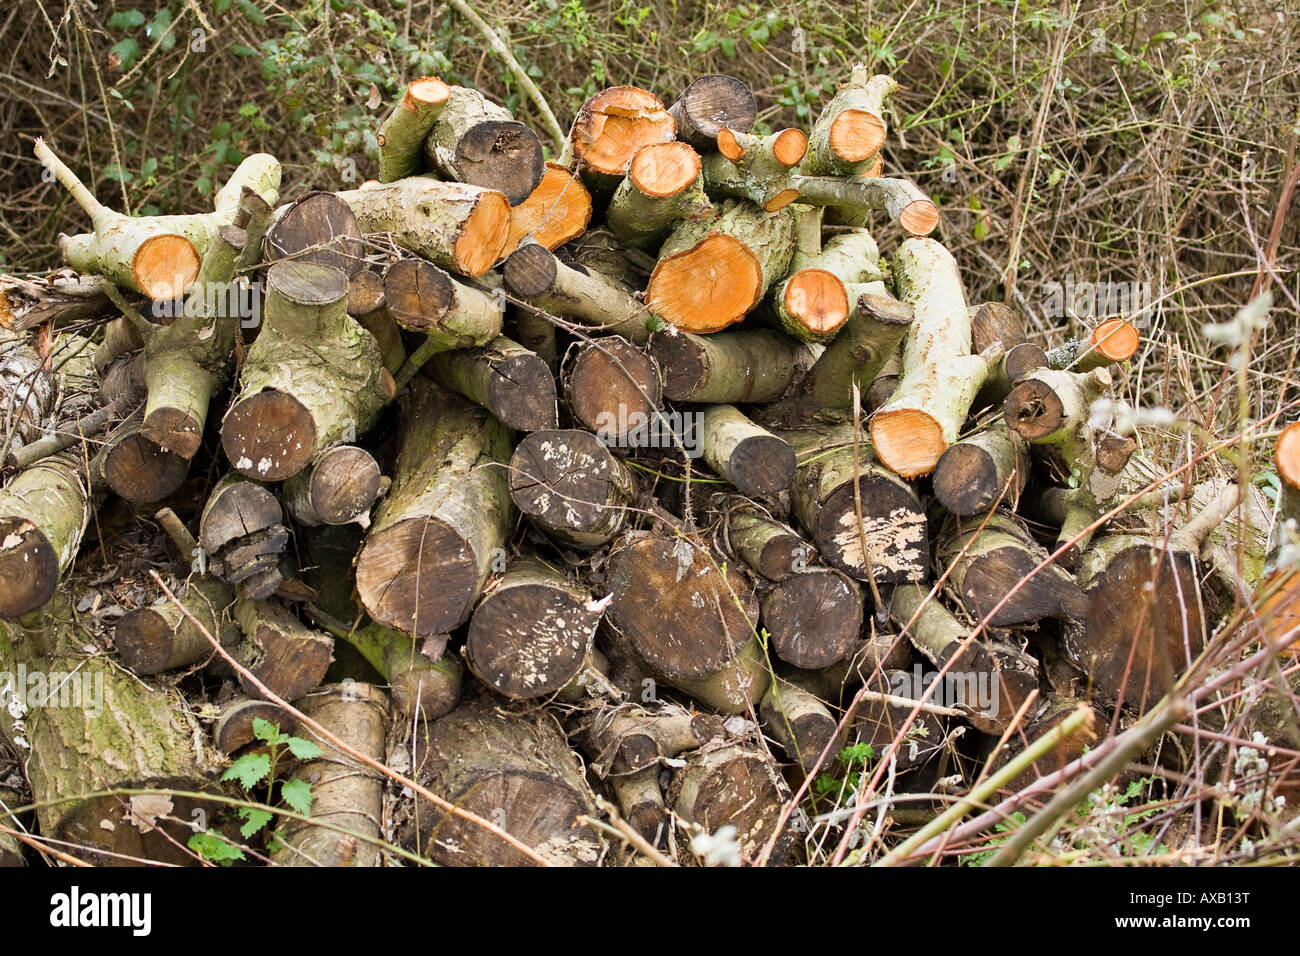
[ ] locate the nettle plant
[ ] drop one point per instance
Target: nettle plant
(254, 772)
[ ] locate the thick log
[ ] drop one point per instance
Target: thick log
(480, 143)
(975, 472)
(450, 314)
(756, 168)
(402, 134)
(135, 468)
(158, 256)
(84, 727)
(312, 378)
(514, 770)
(460, 227)
(434, 537)
(993, 323)
(712, 271)
(319, 228)
(609, 130)
(710, 104)
(893, 528)
(663, 186)
(340, 486)
(994, 562)
(681, 614)
(423, 687)
(940, 376)
(1145, 622)
(629, 737)
(233, 730)
(542, 280)
(280, 651)
(733, 367)
(737, 687)
(754, 460)
(571, 487)
(813, 617)
(510, 381)
(530, 635)
(730, 784)
(851, 128)
(814, 301)
(800, 722)
(345, 792)
(161, 637)
(557, 211)
(44, 511)
(613, 388)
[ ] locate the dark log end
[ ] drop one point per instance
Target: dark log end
(612, 384)
(234, 728)
(141, 472)
(501, 155)
(29, 568)
(563, 478)
(529, 641)
(711, 103)
(813, 617)
(417, 293)
(682, 362)
(1022, 359)
(174, 429)
(143, 639)
(345, 482)
(965, 480)
(762, 465)
(320, 228)
(522, 393)
(1033, 409)
(418, 576)
(530, 271)
(269, 436)
(996, 323)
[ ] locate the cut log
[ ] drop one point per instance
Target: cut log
(766, 545)
(434, 537)
(1051, 408)
(345, 792)
(514, 770)
(710, 104)
(134, 468)
(631, 737)
(813, 302)
(233, 730)
(87, 730)
(857, 356)
(940, 376)
(60, 299)
(529, 636)
(319, 228)
(586, 296)
(663, 186)
(893, 525)
(571, 487)
(754, 460)
(507, 379)
(736, 688)
(738, 366)
(241, 533)
(674, 605)
(423, 687)
(557, 211)
(1007, 371)
(813, 617)
(1145, 622)
(186, 362)
(27, 391)
(460, 227)
(613, 388)
(852, 201)
(993, 323)
(44, 511)
(756, 168)
(477, 142)
(851, 128)
(975, 472)
(800, 723)
(312, 378)
(401, 136)
(340, 486)
(280, 651)
(1113, 340)
(713, 271)
(996, 562)
(161, 637)
(158, 256)
(609, 129)
(641, 803)
(729, 784)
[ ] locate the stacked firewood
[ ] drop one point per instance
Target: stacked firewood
(652, 440)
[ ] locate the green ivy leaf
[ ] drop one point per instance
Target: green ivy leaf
(249, 770)
(297, 793)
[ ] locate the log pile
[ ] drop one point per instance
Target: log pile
(627, 487)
